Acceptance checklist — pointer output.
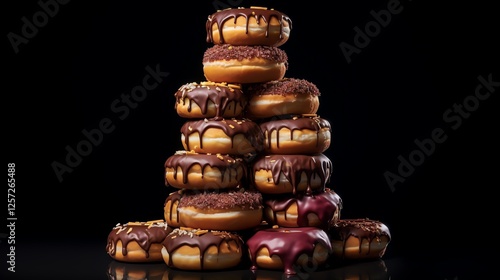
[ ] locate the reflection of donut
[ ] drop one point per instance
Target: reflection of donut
(319, 209)
(196, 249)
(304, 134)
(287, 248)
(230, 210)
(248, 26)
(244, 64)
(136, 271)
(137, 241)
(361, 270)
(359, 239)
(283, 173)
(210, 100)
(189, 170)
(239, 137)
(281, 97)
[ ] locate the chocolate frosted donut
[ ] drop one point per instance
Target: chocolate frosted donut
(170, 209)
(248, 26)
(295, 173)
(210, 100)
(300, 134)
(137, 241)
(244, 64)
(237, 137)
(230, 210)
(190, 170)
(285, 248)
(282, 97)
(359, 239)
(198, 249)
(319, 209)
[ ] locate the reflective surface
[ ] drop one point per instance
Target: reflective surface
(90, 261)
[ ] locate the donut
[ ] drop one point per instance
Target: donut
(170, 209)
(209, 100)
(235, 136)
(359, 239)
(248, 26)
(281, 97)
(136, 271)
(288, 248)
(290, 173)
(201, 249)
(244, 64)
(297, 134)
(230, 210)
(137, 241)
(319, 209)
(190, 170)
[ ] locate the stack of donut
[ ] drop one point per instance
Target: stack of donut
(252, 179)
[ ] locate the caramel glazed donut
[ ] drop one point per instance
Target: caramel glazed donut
(197, 249)
(190, 170)
(355, 239)
(295, 173)
(236, 136)
(248, 26)
(286, 248)
(210, 100)
(137, 241)
(296, 134)
(287, 96)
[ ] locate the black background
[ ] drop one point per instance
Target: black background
(394, 91)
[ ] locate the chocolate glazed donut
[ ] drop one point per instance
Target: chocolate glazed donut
(296, 134)
(248, 26)
(210, 100)
(279, 174)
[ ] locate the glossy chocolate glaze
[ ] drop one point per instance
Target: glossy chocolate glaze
(173, 198)
(287, 243)
(219, 94)
(232, 14)
(325, 204)
(185, 160)
(144, 233)
(362, 229)
(201, 239)
(231, 128)
(314, 123)
(293, 166)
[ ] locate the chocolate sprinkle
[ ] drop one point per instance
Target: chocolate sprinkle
(230, 52)
(247, 200)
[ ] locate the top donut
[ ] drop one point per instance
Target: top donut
(248, 26)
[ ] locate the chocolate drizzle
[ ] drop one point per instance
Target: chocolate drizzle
(314, 123)
(221, 95)
(231, 127)
(201, 239)
(173, 198)
(325, 204)
(288, 244)
(362, 229)
(293, 166)
(220, 17)
(224, 163)
(144, 233)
